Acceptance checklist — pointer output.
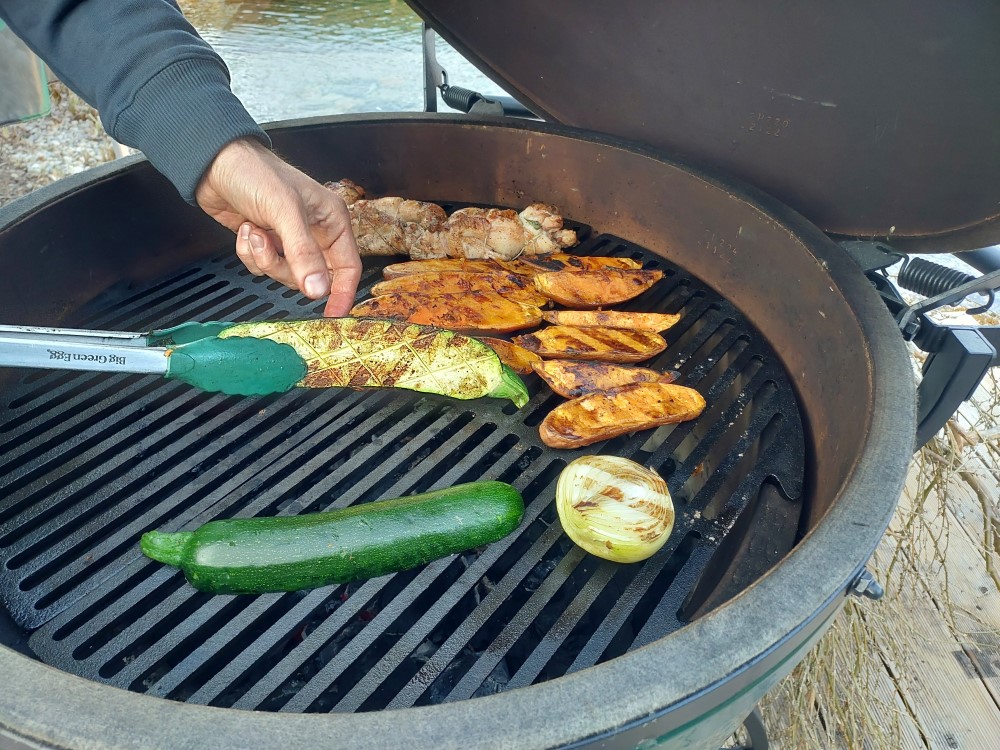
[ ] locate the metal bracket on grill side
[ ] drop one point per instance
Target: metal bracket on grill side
(909, 319)
(958, 359)
(434, 75)
(958, 356)
(865, 585)
(456, 97)
(872, 256)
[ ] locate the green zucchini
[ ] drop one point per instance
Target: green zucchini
(290, 553)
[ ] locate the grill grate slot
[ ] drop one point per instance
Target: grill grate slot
(89, 462)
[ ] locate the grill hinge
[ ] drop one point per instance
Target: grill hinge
(958, 356)
(865, 585)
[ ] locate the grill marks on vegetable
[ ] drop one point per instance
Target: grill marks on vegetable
(364, 353)
(479, 622)
(600, 344)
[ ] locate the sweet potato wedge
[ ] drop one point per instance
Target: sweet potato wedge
(599, 344)
(509, 285)
(607, 414)
(570, 378)
(469, 312)
(439, 265)
(587, 289)
(517, 358)
(568, 262)
(639, 321)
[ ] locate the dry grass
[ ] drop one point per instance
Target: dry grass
(36, 153)
(852, 691)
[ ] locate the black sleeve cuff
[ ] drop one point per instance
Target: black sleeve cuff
(182, 117)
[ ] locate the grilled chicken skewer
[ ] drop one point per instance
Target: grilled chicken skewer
(400, 226)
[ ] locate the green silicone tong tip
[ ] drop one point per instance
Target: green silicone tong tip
(237, 366)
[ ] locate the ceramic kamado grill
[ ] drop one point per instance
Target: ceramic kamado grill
(771, 160)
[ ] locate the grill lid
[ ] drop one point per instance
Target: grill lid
(874, 122)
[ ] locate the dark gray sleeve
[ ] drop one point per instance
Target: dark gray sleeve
(158, 86)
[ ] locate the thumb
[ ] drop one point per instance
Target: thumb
(303, 254)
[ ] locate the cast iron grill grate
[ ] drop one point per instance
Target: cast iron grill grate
(88, 462)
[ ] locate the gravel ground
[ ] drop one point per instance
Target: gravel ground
(69, 140)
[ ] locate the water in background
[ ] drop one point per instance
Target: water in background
(303, 58)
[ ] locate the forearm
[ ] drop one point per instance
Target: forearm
(157, 85)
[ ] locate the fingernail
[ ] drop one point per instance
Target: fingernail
(256, 242)
(244, 231)
(317, 285)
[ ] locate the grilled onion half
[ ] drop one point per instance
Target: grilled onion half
(614, 508)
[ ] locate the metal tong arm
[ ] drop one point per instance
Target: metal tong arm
(75, 335)
(69, 349)
(104, 351)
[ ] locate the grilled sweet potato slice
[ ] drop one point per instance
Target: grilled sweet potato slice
(439, 265)
(587, 289)
(509, 285)
(640, 321)
(607, 414)
(470, 312)
(568, 262)
(570, 379)
(599, 344)
(517, 358)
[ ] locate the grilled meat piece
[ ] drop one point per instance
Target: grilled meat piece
(349, 190)
(399, 226)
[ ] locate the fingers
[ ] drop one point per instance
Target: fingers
(244, 251)
(260, 253)
(289, 227)
(305, 257)
(345, 273)
(321, 251)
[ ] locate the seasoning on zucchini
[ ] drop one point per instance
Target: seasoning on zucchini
(291, 553)
(379, 353)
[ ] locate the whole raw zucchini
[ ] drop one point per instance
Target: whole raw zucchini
(289, 553)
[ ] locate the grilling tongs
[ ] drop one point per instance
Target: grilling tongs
(257, 358)
(190, 352)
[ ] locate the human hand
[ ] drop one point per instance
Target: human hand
(288, 226)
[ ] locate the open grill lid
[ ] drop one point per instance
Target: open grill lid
(874, 120)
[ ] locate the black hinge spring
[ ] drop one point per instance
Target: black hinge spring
(931, 279)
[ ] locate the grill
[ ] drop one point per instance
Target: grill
(140, 453)
(781, 491)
